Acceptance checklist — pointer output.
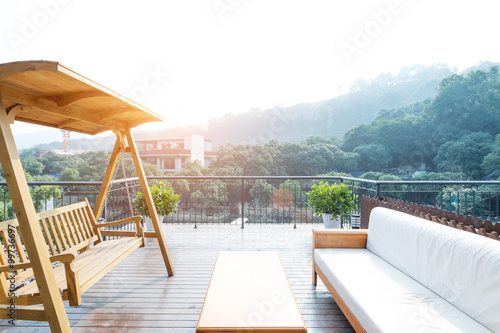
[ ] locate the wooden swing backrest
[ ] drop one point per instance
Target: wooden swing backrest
(66, 229)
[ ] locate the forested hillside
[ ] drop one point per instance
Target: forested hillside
(330, 118)
(455, 132)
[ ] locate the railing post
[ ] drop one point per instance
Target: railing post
(242, 203)
(378, 190)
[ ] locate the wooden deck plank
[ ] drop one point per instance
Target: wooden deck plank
(138, 296)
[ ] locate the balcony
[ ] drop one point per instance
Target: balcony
(137, 295)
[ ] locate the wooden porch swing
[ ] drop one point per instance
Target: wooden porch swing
(49, 94)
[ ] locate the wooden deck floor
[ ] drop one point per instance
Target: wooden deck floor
(137, 296)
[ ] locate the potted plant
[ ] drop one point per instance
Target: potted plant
(331, 201)
(165, 201)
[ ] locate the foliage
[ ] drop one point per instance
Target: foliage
(298, 197)
(262, 191)
(464, 155)
(90, 166)
(437, 131)
(248, 160)
(395, 121)
(374, 157)
(32, 166)
(335, 199)
(282, 198)
(69, 174)
(328, 118)
(470, 102)
(491, 162)
(164, 197)
(433, 176)
(211, 193)
(470, 201)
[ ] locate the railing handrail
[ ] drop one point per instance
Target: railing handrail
(65, 183)
(342, 178)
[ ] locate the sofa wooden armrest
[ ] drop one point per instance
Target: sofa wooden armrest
(340, 238)
(337, 238)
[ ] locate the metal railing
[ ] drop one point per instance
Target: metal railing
(241, 200)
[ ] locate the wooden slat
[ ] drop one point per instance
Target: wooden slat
(122, 254)
(56, 232)
(86, 231)
(66, 232)
(61, 210)
(48, 236)
(46, 107)
(4, 225)
(91, 265)
(71, 227)
(18, 249)
(23, 313)
(75, 225)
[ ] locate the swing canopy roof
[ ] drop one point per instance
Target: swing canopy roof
(49, 94)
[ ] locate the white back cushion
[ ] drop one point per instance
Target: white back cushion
(459, 266)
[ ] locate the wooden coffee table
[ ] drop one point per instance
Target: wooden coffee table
(249, 292)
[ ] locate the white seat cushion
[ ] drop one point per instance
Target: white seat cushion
(384, 299)
(459, 266)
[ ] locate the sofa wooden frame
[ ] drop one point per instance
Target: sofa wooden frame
(338, 238)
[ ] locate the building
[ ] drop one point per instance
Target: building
(60, 152)
(170, 154)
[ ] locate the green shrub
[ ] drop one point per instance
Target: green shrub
(335, 199)
(164, 198)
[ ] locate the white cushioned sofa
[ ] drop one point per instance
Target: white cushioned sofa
(408, 274)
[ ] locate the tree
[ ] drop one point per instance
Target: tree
(32, 166)
(434, 176)
(373, 157)
(69, 174)
(464, 155)
(360, 135)
(469, 102)
(294, 189)
(491, 162)
(262, 191)
(372, 175)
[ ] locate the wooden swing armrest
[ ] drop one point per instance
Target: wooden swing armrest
(136, 219)
(64, 258)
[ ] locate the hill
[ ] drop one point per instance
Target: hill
(329, 118)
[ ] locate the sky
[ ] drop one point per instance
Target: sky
(194, 60)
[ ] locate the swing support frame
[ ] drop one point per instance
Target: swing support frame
(49, 94)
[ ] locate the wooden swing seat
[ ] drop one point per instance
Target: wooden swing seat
(74, 239)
